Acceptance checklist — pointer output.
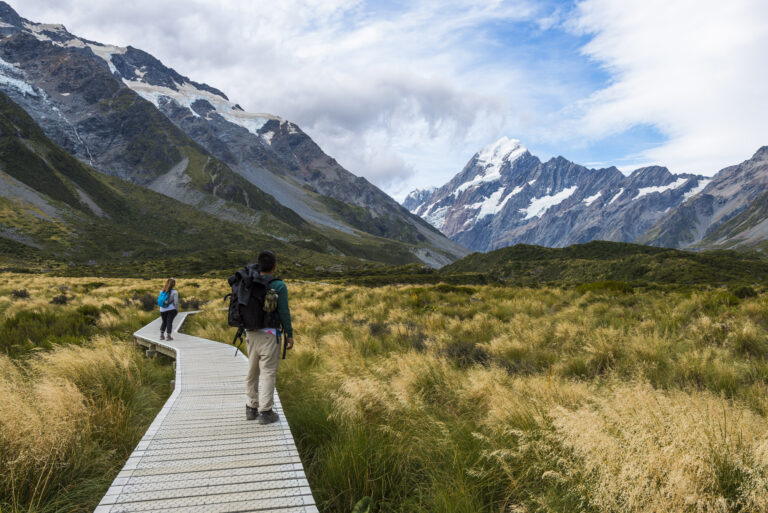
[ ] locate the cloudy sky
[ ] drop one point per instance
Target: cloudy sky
(404, 93)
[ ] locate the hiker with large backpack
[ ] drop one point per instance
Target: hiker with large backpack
(168, 301)
(259, 305)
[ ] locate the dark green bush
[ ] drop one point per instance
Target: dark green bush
(90, 313)
(466, 353)
(378, 328)
(29, 330)
(744, 292)
(88, 287)
(20, 294)
(60, 300)
(148, 302)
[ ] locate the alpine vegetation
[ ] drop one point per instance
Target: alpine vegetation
(482, 398)
(75, 395)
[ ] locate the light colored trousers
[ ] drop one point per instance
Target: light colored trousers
(263, 357)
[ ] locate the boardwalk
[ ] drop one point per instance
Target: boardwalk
(200, 454)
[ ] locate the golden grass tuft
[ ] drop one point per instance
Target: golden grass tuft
(72, 407)
(653, 451)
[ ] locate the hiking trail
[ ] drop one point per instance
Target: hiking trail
(200, 454)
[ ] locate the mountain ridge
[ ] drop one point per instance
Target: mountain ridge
(505, 196)
(720, 215)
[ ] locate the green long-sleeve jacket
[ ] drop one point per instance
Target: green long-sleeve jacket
(283, 310)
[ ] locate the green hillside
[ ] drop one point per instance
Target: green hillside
(601, 260)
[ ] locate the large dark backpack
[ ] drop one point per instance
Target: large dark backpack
(251, 291)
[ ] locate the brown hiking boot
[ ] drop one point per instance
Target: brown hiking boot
(168, 337)
(268, 417)
(162, 337)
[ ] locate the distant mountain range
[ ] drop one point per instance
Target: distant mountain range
(125, 114)
(506, 196)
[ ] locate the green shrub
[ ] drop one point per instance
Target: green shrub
(20, 294)
(90, 313)
(466, 353)
(28, 330)
(89, 287)
(148, 302)
(744, 292)
(61, 299)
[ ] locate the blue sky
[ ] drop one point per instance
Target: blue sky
(404, 93)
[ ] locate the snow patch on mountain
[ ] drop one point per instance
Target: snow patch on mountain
(592, 199)
(267, 136)
(185, 96)
(697, 189)
(436, 217)
(39, 30)
(12, 76)
(490, 176)
(188, 94)
(251, 122)
(494, 203)
(538, 206)
(644, 191)
(106, 52)
(621, 191)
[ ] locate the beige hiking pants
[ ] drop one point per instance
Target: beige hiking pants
(263, 356)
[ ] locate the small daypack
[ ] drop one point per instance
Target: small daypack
(164, 299)
(252, 302)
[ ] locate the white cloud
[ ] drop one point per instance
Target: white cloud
(694, 69)
(405, 93)
(387, 91)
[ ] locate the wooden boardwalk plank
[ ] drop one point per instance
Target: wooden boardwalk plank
(200, 454)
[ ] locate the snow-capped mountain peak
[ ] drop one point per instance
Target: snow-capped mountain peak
(487, 165)
(505, 149)
(416, 197)
(149, 78)
(505, 195)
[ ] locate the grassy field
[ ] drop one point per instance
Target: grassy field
(441, 398)
(75, 395)
(467, 399)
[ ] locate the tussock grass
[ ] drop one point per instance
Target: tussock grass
(75, 395)
(600, 399)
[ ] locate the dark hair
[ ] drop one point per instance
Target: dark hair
(267, 261)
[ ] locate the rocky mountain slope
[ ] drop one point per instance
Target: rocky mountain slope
(505, 196)
(60, 214)
(730, 212)
(54, 206)
(126, 114)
